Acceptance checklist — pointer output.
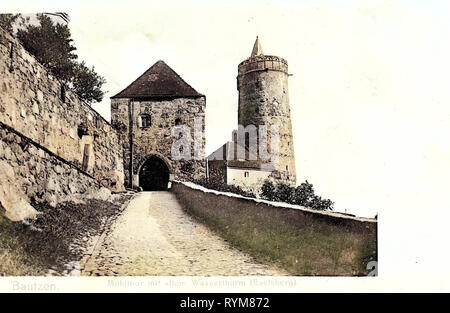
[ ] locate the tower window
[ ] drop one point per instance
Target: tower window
(246, 174)
(287, 168)
(145, 120)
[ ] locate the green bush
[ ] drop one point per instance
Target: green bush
(301, 195)
(268, 190)
(221, 186)
(284, 193)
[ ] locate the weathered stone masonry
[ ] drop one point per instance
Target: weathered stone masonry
(34, 103)
(158, 140)
(166, 101)
(262, 83)
(31, 173)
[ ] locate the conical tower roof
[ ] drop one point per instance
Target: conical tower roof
(257, 50)
(159, 81)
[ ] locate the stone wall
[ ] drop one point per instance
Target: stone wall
(227, 199)
(157, 139)
(33, 103)
(31, 173)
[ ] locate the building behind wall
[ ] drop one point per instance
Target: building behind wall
(146, 113)
(225, 166)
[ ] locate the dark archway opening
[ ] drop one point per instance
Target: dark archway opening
(154, 175)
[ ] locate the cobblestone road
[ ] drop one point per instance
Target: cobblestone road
(153, 236)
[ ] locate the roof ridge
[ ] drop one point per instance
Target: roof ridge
(176, 74)
(134, 81)
(166, 83)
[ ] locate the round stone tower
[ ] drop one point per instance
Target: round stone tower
(262, 83)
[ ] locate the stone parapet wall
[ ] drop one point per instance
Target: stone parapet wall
(359, 224)
(33, 102)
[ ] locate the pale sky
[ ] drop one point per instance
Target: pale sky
(369, 97)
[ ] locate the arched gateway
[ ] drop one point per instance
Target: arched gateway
(154, 174)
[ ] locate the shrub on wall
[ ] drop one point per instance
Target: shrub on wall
(221, 186)
(284, 193)
(318, 203)
(268, 190)
(301, 195)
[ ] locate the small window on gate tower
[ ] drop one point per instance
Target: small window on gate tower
(146, 121)
(246, 174)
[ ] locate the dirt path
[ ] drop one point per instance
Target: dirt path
(153, 236)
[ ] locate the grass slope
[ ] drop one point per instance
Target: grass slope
(48, 242)
(300, 242)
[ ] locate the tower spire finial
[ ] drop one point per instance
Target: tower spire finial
(257, 50)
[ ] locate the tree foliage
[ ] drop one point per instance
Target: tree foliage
(53, 47)
(87, 83)
(7, 21)
(304, 193)
(268, 190)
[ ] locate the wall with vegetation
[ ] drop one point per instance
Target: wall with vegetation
(34, 103)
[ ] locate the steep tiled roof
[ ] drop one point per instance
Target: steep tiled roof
(159, 81)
